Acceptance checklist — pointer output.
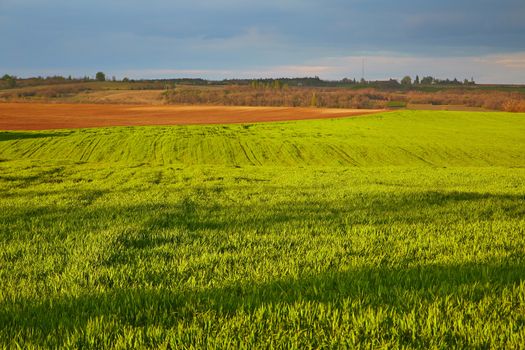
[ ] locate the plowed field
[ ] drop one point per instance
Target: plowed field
(41, 116)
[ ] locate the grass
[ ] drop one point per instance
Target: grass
(402, 230)
(396, 104)
(403, 138)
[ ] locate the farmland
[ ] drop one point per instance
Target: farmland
(398, 229)
(41, 116)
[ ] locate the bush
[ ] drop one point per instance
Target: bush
(514, 106)
(10, 81)
(396, 104)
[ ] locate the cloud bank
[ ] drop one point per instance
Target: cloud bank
(233, 38)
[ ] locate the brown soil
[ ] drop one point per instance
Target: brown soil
(41, 116)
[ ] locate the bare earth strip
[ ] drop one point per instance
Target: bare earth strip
(41, 116)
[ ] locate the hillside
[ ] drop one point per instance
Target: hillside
(411, 138)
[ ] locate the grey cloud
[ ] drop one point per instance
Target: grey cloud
(229, 35)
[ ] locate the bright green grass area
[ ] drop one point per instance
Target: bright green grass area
(404, 229)
(407, 138)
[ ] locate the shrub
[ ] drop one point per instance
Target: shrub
(396, 104)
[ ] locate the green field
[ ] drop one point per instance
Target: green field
(404, 229)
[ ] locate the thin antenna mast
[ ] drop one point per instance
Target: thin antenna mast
(363, 70)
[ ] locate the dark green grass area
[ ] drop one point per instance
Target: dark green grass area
(165, 244)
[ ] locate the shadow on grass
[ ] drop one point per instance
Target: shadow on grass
(403, 290)
(48, 176)
(209, 214)
(370, 209)
(19, 135)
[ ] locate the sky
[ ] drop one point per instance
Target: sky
(216, 39)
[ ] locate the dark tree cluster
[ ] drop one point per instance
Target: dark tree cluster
(9, 81)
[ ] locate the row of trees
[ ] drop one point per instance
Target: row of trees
(278, 84)
(10, 81)
(273, 84)
(407, 81)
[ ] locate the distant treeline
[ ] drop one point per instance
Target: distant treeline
(11, 81)
(292, 92)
